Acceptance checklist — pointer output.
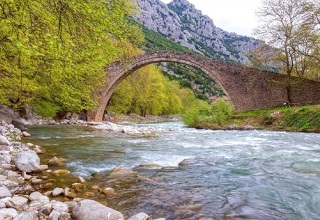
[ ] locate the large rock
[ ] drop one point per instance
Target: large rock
(17, 202)
(37, 196)
(8, 213)
(140, 216)
(57, 191)
(27, 161)
(31, 215)
(20, 124)
(60, 206)
(5, 158)
(7, 114)
(4, 140)
(89, 209)
(4, 192)
(55, 161)
(122, 171)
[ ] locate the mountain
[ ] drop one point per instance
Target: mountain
(181, 22)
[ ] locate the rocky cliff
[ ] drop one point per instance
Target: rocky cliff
(181, 22)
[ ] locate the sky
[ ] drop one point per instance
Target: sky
(230, 15)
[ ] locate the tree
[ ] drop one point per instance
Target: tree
(146, 92)
(291, 28)
(53, 52)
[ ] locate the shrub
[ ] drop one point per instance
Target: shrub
(222, 111)
(45, 109)
(202, 114)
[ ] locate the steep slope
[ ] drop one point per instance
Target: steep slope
(204, 87)
(181, 22)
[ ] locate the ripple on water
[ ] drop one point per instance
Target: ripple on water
(214, 174)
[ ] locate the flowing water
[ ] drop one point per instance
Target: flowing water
(204, 174)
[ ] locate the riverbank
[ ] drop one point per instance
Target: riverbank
(294, 119)
(27, 187)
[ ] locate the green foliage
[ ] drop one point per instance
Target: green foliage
(146, 92)
(202, 114)
(292, 26)
(46, 109)
(195, 79)
(301, 119)
(56, 50)
(197, 112)
(298, 118)
(222, 111)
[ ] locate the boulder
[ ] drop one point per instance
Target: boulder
(55, 161)
(38, 197)
(31, 215)
(59, 206)
(57, 191)
(5, 158)
(17, 202)
(140, 216)
(61, 172)
(6, 114)
(122, 171)
(45, 210)
(108, 191)
(8, 212)
(89, 209)
(20, 124)
(27, 161)
(26, 134)
(4, 192)
(4, 141)
(54, 215)
(64, 216)
(78, 187)
(2, 205)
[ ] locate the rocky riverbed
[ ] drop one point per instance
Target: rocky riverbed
(27, 189)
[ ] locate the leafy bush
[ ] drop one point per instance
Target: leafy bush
(222, 111)
(46, 109)
(196, 113)
(202, 114)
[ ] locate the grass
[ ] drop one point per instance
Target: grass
(298, 118)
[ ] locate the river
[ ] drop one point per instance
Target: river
(204, 174)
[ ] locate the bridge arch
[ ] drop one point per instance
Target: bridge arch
(247, 88)
(118, 71)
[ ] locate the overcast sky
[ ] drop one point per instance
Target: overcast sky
(231, 15)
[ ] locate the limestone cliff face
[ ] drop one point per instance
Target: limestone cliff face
(182, 22)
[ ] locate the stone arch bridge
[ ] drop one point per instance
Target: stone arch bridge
(247, 88)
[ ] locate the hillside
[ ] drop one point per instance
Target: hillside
(181, 22)
(189, 77)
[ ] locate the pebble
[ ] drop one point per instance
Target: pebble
(61, 172)
(25, 134)
(36, 181)
(57, 191)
